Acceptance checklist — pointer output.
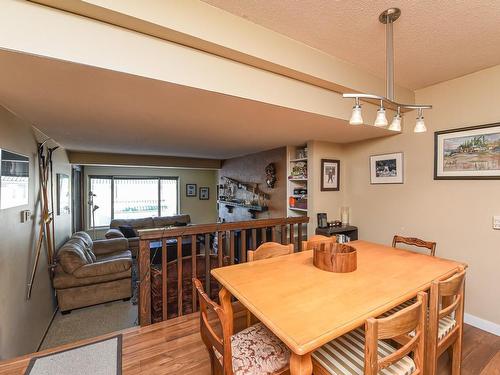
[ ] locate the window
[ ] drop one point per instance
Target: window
(132, 198)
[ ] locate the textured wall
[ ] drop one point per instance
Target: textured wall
(250, 169)
(456, 213)
(23, 323)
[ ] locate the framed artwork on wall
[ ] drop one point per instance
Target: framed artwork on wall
(386, 168)
(191, 190)
(63, 194)
(330, 175)
(14, 179)
(471, 153)
(204, 193)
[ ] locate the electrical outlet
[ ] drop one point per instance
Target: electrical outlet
(496, 222)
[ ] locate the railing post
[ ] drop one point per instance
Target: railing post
(145, 283)
(164, 278)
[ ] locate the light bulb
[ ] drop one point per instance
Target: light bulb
(396, 122)
(420, 126)
(381, 120)
(356, 118)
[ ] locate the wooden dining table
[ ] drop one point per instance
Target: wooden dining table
(307, 307)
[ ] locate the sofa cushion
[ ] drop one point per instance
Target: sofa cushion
(116, 255)
(146, 222)
(87, 243)
(128, 231)
(63, 280)
(73, 255)
(166, 221)
(104, 267)
(113, 233)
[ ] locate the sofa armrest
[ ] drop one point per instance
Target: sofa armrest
(114, 233)
(103, 268)
(102, 247)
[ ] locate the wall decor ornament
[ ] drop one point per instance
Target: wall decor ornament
(191, 190)
(330, 175)
(471, 153)
(204, 193)
(270, 175)
(14, 179)
(386, 168)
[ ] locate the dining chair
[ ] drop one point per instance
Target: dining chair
(369, 351)
(269, 250)
(431, 246)
(446, 310)
(254, 350)
(317, 240)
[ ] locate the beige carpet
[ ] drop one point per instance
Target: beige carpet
(90, 322)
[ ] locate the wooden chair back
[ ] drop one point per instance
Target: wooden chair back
(397, 326)
(446, 299)
(269, 250)
(431, 246)
(317, 240)
(209, 335)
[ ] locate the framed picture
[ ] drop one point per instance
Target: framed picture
(471, 153)
(63, 194)
(14, 179)
(204, 193)
(386, 169)
(191, 190)
(330, 175)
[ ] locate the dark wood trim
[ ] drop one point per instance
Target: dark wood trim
(335, 161)
(457, 130)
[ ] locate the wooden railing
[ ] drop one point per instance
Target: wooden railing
(226, 244)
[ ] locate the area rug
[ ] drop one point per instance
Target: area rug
(98, 358)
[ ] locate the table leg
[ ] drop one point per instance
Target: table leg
(301, 364)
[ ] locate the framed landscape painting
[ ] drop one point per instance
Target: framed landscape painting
(467, 153)
(386, 169)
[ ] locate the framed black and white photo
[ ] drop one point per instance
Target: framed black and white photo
(204, 193)
(191, 190)
(330, 175)
(386, 169)
(471, 153)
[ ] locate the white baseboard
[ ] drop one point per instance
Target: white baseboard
(483, 324)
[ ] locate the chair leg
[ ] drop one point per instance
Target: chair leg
(456, 360)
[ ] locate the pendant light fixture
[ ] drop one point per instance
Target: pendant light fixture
(388, 17)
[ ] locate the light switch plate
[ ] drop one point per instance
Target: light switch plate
(496, 222)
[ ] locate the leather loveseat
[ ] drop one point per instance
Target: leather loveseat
(143, 223)
(89, 272)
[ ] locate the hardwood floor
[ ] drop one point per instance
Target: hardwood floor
(175, 347)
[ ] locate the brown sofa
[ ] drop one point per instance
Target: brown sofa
(145, 223)
(90, 272)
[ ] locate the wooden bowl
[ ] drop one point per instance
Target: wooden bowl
(335, 257)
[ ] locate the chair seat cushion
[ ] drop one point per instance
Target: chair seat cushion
(257, 351)
(446, 324)
(345, 355)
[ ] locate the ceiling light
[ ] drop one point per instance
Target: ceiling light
(388, 17)
(420, 124)
(381, 120)
(396, 122)
(356, 117)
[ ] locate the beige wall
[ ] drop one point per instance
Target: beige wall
(456, 214)
(22, 322)
(201, 211)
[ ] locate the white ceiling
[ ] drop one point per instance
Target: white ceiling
(90, 109)
(435, 40)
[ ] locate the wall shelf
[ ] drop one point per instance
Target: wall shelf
(252, 209)
(298, 179)
(298, 209)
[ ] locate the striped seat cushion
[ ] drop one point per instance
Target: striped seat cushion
(345, 355)
(446, 324)
(398, 308)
